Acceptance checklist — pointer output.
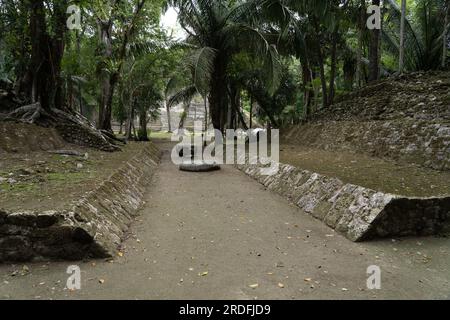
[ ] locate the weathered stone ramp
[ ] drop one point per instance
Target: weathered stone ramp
(93, 227)
(356, 212)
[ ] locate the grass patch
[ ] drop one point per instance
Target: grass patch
(18, 187)
(160, 135)
(67, 176)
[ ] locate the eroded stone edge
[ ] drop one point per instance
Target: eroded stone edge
(94, 226)
(356, 212)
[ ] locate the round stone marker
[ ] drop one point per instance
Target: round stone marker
(199, 167)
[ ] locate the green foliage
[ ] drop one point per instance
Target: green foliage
(276, 52)
(424, 29)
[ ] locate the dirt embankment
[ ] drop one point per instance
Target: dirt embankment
(20, 138)
(420, 96)
(392, 136)
(33, 177)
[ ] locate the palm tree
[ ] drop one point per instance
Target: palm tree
(217, 30)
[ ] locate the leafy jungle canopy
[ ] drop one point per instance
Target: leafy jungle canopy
(275, 61)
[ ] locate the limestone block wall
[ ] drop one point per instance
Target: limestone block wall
(93, 227)
(422, 142)
(354, 211)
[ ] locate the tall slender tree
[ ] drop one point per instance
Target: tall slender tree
(359, 48)
(112, 61)
(402, 37)
(374, 47)
(446, 7)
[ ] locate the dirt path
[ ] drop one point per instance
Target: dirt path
(212, 236)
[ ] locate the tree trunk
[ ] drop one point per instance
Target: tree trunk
(251, 111)
(380, 38)
(184, 115)
(143, 133)
(321, 61)
(110, 79)
(445, 34)
(374, 47)
(104, 112)
(349, 71)
(218, 97)
(237, 116)
(308, 90)
(130, 121)
(359, 53)
(169, 120)
(57, 53)
(333, 67)
(401, 63)
(70, 94)
(323, 79)
(44, 71)
(80, 95)
(205, 99)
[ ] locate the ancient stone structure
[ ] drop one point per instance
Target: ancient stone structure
(406, 119)
(354, 211)
(425, 143)
(94, 227)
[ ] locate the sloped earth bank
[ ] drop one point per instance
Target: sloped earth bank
(221, 235)
(39, 179)
(378, 174)
(55, 207)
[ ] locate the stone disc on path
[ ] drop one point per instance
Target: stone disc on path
(199, 167)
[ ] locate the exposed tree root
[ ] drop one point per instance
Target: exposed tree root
(111, 137)
(74, 128)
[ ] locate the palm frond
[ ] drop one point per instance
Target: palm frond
(183, 96)
(201, 64)
(255, 43)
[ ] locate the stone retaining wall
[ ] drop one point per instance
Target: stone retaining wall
(354, 211)
(422, 142)
(93, 227)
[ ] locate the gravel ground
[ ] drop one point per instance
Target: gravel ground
(221, 235)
